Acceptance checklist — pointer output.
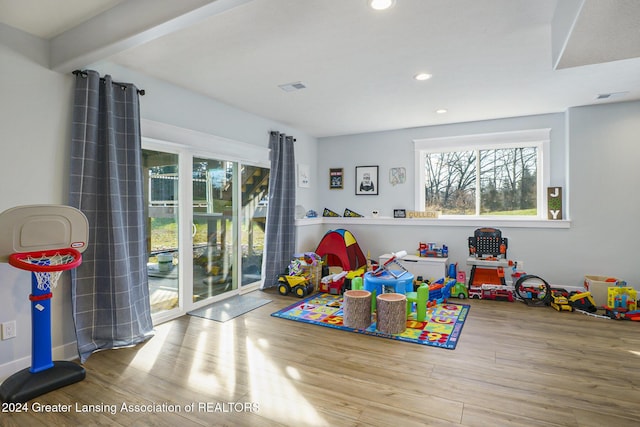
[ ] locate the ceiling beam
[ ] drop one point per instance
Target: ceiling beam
(130, 23)
(564, 20)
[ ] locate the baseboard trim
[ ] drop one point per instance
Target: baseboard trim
(68, 352)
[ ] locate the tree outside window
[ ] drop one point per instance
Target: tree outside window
(499, 178)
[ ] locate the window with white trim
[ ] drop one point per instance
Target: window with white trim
(486, 175)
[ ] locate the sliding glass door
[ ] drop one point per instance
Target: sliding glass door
(215, 223)
(229, 218)
(205, 230)
(254, 190)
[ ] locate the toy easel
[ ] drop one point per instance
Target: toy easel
(46, 240)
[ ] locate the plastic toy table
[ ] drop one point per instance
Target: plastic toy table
(376, 284)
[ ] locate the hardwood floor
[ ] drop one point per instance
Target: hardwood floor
(514, 366)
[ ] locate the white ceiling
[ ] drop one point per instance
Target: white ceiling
(489, 58)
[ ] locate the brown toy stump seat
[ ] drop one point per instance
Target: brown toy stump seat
(392, 313)
(356, 310)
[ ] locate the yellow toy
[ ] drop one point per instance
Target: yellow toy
(560, 300)
(583, 301)
(300, 285)
(625, 298)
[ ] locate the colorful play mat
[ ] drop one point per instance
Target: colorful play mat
(442, 327)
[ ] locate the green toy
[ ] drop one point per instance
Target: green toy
(420, 297)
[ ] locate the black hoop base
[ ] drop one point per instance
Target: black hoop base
(24, 385)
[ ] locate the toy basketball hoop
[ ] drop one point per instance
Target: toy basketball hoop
(47, 266)
(45, 240)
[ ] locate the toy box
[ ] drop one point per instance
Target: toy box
(599, 286)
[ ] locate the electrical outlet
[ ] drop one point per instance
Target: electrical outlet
(9, 330)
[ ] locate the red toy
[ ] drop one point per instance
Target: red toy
(496, 292)
(339, 248)
(333, 284)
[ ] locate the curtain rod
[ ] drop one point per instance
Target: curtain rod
(84, 74)
(275, 131)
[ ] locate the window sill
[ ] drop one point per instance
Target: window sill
(439, 222)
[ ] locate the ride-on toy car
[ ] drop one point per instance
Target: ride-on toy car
(300, 285)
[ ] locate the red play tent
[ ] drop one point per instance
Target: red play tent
(340, 248)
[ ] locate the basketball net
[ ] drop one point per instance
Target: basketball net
(49, 280)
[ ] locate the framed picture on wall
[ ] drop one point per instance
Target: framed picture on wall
(366, 180)
(336, 178)
(397, 176)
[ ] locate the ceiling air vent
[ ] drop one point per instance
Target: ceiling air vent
(611, 95)
(290, 87)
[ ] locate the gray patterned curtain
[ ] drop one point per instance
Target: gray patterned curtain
(280, 240)
(110, 292)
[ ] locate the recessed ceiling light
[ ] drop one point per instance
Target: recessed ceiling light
(441, 110)
(381, 4)
(422, 76)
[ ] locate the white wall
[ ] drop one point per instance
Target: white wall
(604, 153)
(594, 152)
(169, 104)
(35, 135)
(35, 132)
(395, 149)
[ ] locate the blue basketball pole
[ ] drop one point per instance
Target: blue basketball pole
(40, 327)
(44, 375)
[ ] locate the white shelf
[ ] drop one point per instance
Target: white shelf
(438, 222)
